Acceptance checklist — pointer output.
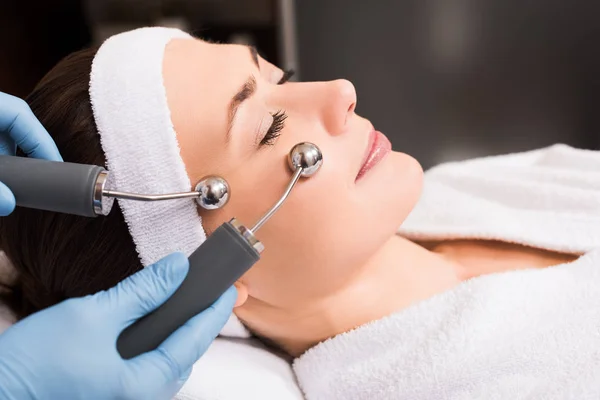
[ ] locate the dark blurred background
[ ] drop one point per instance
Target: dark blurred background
(444, 79)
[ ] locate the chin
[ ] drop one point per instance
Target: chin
(410, 167)
(404, 183)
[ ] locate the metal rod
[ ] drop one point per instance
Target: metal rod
(149, 197)
(269, 213)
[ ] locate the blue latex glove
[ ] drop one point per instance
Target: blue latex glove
(20, 128)
(69, 351)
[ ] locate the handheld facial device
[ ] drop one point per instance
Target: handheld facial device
(230, 251)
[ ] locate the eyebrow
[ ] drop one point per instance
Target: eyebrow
(246, 91)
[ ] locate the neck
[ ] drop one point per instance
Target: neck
(398, 275)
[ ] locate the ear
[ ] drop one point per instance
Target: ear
(242, 294)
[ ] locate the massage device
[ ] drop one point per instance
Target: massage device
(216, 265)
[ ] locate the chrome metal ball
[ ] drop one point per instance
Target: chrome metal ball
(306, 156)
(214, 192)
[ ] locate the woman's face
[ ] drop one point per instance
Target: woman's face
(223, 99)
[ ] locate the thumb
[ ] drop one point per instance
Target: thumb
(7, 200)
(147, 289)
(178, 353)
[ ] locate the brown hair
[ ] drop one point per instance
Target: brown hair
(58, 256)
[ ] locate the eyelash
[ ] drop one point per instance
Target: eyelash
(278, 118)
(275, 129)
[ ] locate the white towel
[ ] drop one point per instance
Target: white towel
(528, 334)
(234, 369)
(131, 111)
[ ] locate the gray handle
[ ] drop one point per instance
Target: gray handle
(50, 185)
(220, 261)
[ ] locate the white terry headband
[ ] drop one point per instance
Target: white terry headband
(129, 102)
(132, 115)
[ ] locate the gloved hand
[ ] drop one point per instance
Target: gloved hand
(19, 127)
(68, 351)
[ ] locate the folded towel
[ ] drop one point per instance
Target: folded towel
(547, 198)
(514, 335)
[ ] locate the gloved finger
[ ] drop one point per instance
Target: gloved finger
(186, 375)
(147, 289)
(7, 200)
(7, 145)
(183, 379)
(186, 345)
(21, 125)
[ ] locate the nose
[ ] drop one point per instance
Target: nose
(337, 105)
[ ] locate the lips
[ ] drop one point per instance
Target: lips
(378, 147)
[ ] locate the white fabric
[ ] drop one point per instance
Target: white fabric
(142, 152)
(234, 369)
(528, 334)
(548, 198)
(235, 329)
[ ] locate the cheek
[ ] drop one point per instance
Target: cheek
(305, 248)
(299, 235)
(327, 230)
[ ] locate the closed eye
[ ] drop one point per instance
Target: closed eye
(278, 118)
(275, 129)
